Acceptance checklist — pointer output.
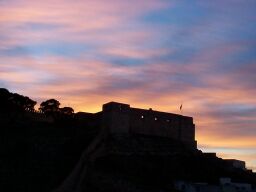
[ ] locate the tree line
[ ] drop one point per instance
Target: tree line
(16, 102)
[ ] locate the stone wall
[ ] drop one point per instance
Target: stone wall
(122, 119)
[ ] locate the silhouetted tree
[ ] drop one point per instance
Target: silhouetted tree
(66, 111)
(13, 105)
(64, 117)
(29, 104)
(22, 103)
(4, 93)
(50, 107)
(4, 99)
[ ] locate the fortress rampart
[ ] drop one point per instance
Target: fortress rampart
(120, 118)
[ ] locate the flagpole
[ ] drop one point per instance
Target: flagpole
(179, 118)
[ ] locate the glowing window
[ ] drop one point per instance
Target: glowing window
(155, 118)
(142, 117)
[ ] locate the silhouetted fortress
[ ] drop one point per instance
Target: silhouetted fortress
(144, 144)
(121, 119)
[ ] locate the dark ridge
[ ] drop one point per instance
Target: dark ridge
(117, 149)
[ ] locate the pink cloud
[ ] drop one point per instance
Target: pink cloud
(86, 82)
(74, 21)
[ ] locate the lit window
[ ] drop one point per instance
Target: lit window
(155, 118)
(142, 117)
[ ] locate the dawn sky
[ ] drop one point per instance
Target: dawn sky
(148, 53)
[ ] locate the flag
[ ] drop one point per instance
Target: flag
(180, 107)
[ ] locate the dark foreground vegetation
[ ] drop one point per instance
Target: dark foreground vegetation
(38, 148)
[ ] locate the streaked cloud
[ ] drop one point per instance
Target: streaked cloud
(152, 53)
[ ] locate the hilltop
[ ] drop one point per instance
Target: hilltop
(53, 150)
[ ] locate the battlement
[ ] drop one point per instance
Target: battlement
(120, 118)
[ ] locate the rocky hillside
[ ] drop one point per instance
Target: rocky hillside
(45, 156)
